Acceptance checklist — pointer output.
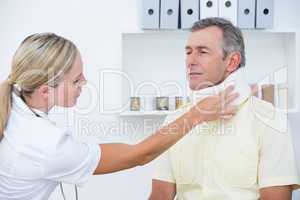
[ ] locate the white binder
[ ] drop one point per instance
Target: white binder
(189, 13)
(264, 13)
(209, 8)
(169, 14)
(246, 14)
(150, 9)
(228, 10)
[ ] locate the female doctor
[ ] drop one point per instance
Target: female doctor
(35, 155)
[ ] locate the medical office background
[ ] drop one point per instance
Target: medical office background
(119, 57)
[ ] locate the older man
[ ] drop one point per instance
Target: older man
(249, 157)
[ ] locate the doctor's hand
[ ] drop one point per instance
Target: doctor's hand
(215, 107)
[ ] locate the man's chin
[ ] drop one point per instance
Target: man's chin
(201, 86)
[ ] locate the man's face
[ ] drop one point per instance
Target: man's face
(204, 58)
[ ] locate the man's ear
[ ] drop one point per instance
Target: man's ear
(233, 60)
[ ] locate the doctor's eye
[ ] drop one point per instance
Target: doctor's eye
(76, 81)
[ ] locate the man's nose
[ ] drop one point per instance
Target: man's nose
(191, 60)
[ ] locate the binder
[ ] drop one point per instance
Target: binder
(169, 14)
(190, 13)
(209, 8)
(228, 10)
(246, 14)
(264, 14)
(150, 14)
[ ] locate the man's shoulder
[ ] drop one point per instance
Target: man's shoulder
(268, 114)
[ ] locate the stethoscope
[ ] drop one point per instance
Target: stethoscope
(60, 184)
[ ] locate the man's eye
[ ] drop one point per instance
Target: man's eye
(188, 53)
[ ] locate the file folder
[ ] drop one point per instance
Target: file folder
(246, 14)
(150, 9)
(169, 14)
(264, 14)
(189, 13)
(228, 10)
(209, 8)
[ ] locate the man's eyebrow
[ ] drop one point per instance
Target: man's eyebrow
(197, 47)
(202, 48)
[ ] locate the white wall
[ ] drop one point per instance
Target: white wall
(96, 27)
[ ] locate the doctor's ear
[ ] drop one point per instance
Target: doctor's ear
(44, 91)
(234, 60)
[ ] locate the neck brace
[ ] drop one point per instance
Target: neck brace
(235, 78)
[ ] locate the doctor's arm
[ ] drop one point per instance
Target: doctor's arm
(116, 157)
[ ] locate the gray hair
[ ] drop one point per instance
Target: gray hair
(232, 36)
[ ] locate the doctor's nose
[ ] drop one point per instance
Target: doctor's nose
(83, 82)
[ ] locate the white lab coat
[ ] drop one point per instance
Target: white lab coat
(35, 156)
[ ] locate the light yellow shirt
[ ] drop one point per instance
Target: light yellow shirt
(231, 160)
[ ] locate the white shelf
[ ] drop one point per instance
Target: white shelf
(145, 113)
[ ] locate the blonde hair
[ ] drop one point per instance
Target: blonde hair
(41, 59)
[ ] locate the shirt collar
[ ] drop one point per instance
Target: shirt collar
(20, 106)
(235, 78)
(40, 113)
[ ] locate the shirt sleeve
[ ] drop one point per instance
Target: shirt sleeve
(163, 169)
(72, 161)
(163, 166)
(277, 165)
